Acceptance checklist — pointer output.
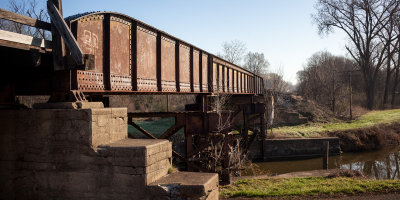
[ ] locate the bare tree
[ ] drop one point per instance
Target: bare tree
(276, 82)
(362, 21)
(29, 8)
(256, 63)
(324, 79)
(396, 59)
(233, 51)
(388, 36)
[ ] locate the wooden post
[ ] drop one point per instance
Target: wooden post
(326, 155)
(58, 48)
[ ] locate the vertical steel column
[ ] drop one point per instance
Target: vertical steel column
(217, 79)
(237, 81)
(191, 69)
(227, 79)
(177, 79)
(223, 78)
(134, 55)
(210, 73)
(201, 70)
(158, 61)
(106, 52)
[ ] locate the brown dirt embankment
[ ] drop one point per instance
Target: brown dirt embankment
(365, 139)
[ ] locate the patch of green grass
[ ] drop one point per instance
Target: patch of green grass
(307, 186)
(314, 130)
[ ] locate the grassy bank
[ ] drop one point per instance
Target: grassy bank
(368, 120)
(307, 186)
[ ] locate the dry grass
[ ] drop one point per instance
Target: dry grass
(372, 118)
(310, 186)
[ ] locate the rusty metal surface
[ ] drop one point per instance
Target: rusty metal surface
(225, 78)
(191, 63)
(90, 38)
(204, 72)
(196, 71)
(230, 80)
(120, 54)
(184, 68)
(215, 77)
(221, 78)
(168, 78)
(132, 57)
(146, 60)
(235, 81)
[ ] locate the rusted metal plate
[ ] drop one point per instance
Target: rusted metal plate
(215, 77)
(252, 84)
(239, 82)
(204, 71)
(235, 81)
(89, 33)
(221, 123)
(196, 71)
(168, 81)
(194, 124)
(90, 81)
(231, 80)
(245, 83)
(146, 59)
(184, 68)
(120, 54)
(225, 78)
(221, 78)
(149, 62)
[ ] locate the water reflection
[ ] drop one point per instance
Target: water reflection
(382, 164)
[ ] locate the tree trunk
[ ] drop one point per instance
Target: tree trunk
(370, 92)
(396, 83)
(387, 82)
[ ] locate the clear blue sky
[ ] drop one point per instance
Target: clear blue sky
(281, 29)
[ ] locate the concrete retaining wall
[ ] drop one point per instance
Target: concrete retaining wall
(299, 148)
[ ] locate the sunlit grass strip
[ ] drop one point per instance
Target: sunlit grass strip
(368, 120)
(307, 186)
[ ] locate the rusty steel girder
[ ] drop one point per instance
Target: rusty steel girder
(131, 56)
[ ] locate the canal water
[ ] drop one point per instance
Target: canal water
(381, 164)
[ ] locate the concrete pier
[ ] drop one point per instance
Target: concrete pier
(80, 154)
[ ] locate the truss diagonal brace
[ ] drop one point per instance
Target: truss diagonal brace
(66, 34)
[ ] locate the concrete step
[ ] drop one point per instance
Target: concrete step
(147, 157)
(186, 185)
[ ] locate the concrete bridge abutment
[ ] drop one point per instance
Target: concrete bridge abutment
(85, 153)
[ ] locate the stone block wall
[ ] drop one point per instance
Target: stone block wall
(53, 154)
(150, 158)
(108, 125)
